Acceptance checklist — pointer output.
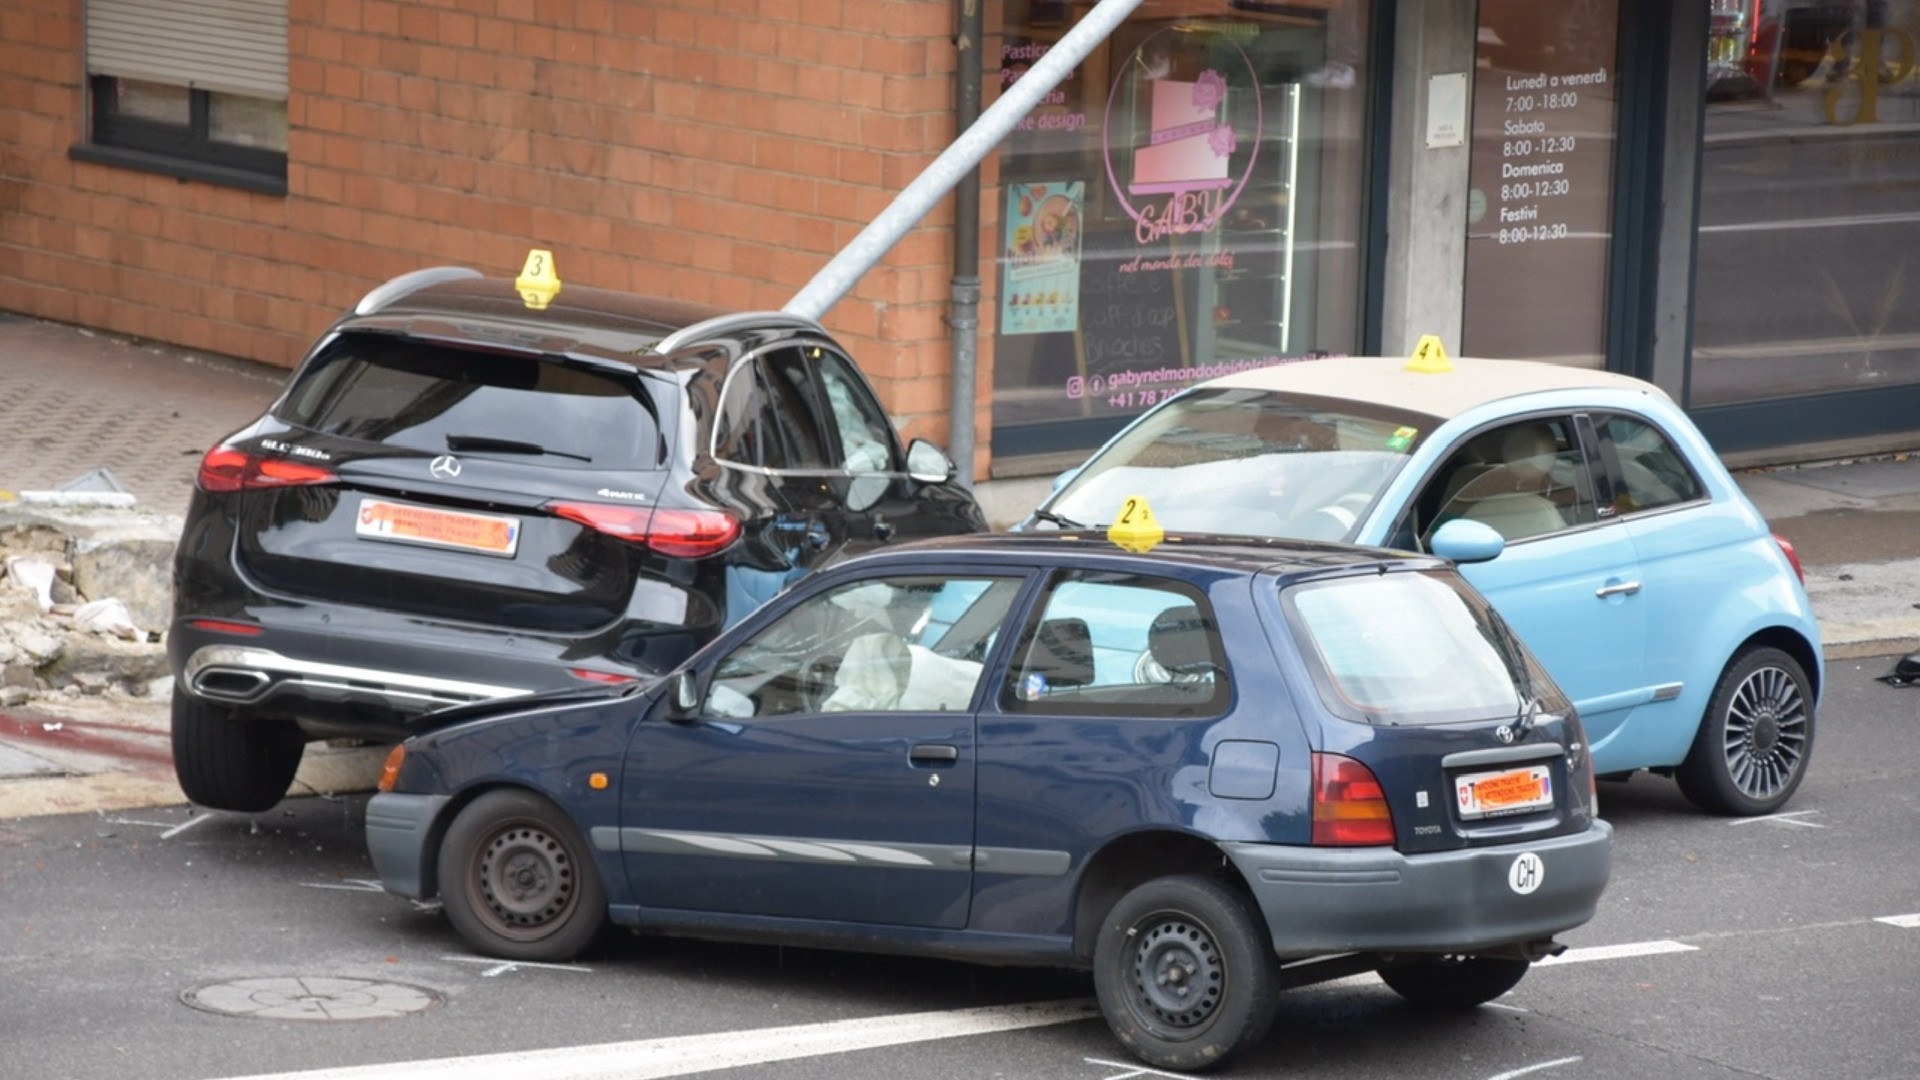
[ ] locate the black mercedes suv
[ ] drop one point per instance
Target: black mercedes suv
(472, 490)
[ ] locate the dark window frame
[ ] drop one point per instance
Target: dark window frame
(1142, 701)
(187, 151)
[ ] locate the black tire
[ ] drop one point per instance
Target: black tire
(226, 762)
(1754, 743)
(1454, 982)
(518, 881)
(1185, 973)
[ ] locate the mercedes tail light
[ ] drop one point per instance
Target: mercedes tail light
(226, 469)
(1349, 807)
(680, 534)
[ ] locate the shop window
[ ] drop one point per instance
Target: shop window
(1806, 278)
(195, 89)
(1541, 180)
(1186, 203)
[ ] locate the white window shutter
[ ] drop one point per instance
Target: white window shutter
(230, 46)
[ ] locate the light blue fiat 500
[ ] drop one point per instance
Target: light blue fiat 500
(1627, 558)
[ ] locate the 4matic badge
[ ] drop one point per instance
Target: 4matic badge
(294, 450)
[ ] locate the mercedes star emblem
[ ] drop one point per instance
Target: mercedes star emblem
(445, 467)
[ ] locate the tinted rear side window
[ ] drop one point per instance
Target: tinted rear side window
(437, 398)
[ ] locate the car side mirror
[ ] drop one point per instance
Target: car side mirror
(1464, 541)
(683, 695)
(928, 463)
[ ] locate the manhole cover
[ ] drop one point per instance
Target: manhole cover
(311, 998)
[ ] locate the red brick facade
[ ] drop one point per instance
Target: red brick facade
(712, 150)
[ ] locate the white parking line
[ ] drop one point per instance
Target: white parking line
(1781, 819)
(505, 967)
(348, 885)
(1616, 952)
(184, 826)
(1904, 922)
(1129, 1071)
(1535, 1068)
(691, 1054)
(171, 830)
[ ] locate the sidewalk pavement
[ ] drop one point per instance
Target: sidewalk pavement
(73, 401)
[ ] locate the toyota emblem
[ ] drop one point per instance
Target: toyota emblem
(445, 467)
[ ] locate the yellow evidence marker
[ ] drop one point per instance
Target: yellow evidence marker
(1429, 356)
(538, 283)
(1135, 529)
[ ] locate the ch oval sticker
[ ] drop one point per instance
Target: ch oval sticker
(1526, 873)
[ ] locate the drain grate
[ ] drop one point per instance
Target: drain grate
(311, 998)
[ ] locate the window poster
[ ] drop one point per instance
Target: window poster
(1541, 189)
(1151, 226)
(1041, 292)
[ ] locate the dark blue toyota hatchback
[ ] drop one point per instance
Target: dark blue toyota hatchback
(1209, 771)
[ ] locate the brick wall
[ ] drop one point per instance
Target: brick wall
(712, 150)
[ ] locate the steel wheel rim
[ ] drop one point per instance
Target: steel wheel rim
(1177, 976)
(1766, 733)
(524, 879)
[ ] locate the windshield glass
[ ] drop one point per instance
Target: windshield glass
(1246, 462)
(435, 398)
(1414, 648)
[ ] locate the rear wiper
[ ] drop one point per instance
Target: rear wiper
(1530, 711)
(506, 446)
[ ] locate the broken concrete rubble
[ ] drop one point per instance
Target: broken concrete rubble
(86, 598)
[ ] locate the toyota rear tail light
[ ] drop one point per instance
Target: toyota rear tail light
(680, 534)
(225, 468)
(1349, 806)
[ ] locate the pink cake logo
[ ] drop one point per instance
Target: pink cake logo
(1183, 141)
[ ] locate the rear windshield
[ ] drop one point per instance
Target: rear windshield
(1413, 648)
(438, 398)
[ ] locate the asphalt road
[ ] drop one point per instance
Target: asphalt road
(170, 944)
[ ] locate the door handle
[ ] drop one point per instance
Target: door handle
(1625, 588)
(934, 755)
